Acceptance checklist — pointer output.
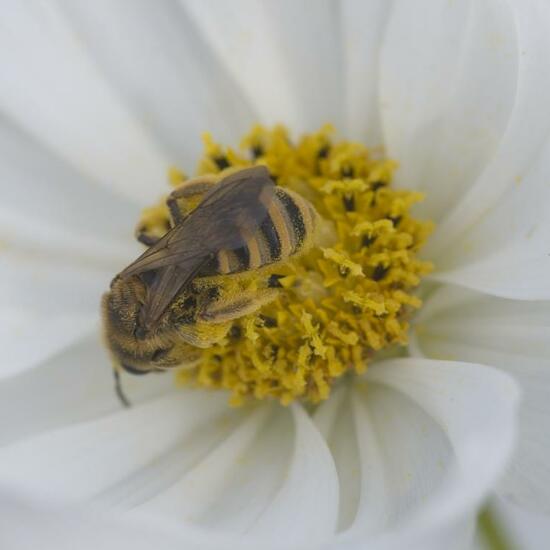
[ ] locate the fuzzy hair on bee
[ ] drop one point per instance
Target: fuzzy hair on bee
(212, 265)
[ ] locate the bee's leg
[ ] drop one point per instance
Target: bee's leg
(202, 334)
(155, 221)
(153, 224)
(145, 238)
(186, 197)
(228, 309)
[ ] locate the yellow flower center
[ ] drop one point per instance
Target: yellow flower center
(340, 303)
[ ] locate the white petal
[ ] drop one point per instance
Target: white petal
(402, 450)
(27, 337)
(431, 439)
(496, 239)
(363, 26)
(285, 55)
(157, 60)
(335, 422)
(73, 385)
(524, 529)
(189, 458)
(51, 87)
(50, 285)
(447, 88)
(78, 462)
(457, 536)
(507, 251)
(46, 304)
(215, 489)
(513, 336)
(26, 524)
(306, 506)
(52, 210)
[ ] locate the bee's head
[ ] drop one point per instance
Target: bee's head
(121, 306)
(130, 345)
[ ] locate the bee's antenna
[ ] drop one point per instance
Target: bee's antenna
(119, 391)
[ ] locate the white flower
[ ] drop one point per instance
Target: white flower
(99, 98)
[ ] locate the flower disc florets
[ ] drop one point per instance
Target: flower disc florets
(344, 300)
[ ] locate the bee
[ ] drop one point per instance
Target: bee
(207, 270)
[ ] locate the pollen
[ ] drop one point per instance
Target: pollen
(341, 303)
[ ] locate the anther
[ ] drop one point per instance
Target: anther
(257, 151)
(349, 203)
(378, 185)
(323, 152)
(273, 281)
(268, 322)
(343, 270)
(366, 241)
(222, 162)
(235, 332)
(380, 271)
(347, 171)
(395, 220)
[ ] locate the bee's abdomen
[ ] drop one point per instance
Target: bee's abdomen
(293, 219)
(270, 239)
(282, 234)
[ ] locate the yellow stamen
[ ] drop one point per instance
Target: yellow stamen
(339, 303)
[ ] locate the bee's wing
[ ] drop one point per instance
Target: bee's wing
(225, 218)
(164, 287)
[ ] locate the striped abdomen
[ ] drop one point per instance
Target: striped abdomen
(286, 231)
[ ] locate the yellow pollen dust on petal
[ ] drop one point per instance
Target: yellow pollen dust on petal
(338, 304)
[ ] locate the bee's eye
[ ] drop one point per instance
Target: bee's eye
(133, 370)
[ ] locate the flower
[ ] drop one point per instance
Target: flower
(99, 100)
